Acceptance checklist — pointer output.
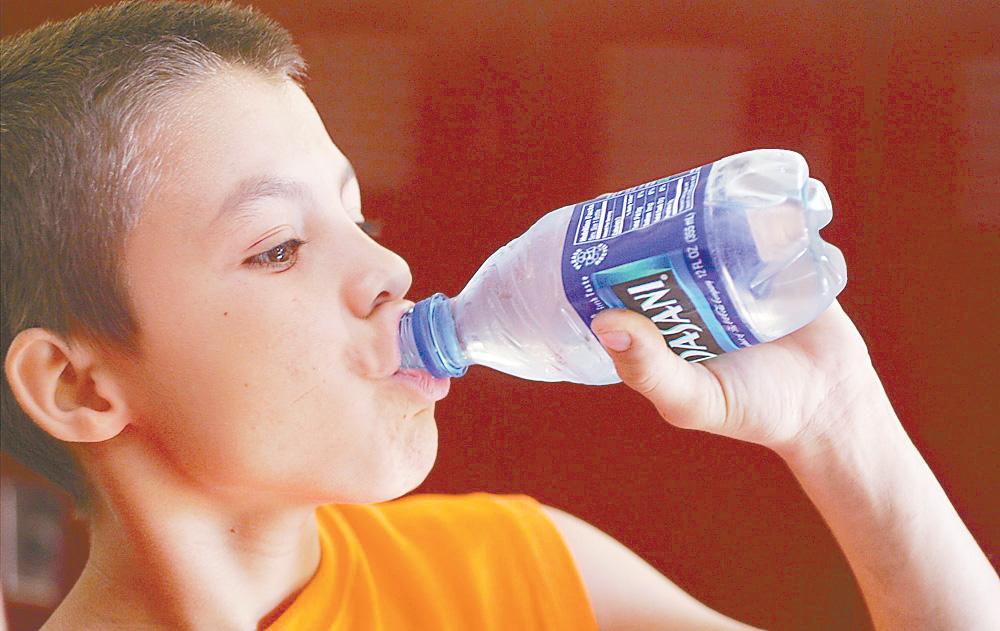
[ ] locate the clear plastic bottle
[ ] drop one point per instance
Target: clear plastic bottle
(719, 257)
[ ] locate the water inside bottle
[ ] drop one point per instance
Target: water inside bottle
(782, 271)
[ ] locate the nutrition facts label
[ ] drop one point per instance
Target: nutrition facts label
(636, 208)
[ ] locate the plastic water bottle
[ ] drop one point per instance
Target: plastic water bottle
(720, 257)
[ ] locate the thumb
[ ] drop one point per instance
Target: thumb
(686, 395)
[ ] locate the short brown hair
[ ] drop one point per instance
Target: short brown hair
(82, 101)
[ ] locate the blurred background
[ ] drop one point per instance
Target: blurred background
(467, 121)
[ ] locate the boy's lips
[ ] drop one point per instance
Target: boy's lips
(423, 383)
(420, 382)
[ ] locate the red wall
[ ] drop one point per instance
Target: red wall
(468, 123)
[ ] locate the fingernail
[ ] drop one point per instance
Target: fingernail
(615, 340)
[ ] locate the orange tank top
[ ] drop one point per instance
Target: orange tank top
(477, 561)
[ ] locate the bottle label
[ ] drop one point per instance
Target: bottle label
(645, 249)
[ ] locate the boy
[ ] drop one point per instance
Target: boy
(208, 367)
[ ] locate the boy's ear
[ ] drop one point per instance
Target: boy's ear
(67, 392)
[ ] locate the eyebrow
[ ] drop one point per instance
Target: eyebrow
(239, 204)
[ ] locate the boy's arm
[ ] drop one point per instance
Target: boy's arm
(814, 398)
(917, 564)
(625, 592)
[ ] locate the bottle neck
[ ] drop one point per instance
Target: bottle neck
(428, 339)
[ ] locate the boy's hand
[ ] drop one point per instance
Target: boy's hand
(782, 394)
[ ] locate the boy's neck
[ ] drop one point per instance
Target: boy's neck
(200, 580)
(164, 555)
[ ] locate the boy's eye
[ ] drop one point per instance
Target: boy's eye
(284, 255)
(281, 256)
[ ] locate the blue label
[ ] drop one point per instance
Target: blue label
(645, 249)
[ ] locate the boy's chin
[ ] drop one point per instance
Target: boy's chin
(410, 479)
(402, 476)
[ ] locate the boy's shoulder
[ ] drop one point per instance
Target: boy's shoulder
(503, 539)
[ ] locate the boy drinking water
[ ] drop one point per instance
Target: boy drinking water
(200, 347)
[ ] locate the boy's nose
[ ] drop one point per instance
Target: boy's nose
(384, 277)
